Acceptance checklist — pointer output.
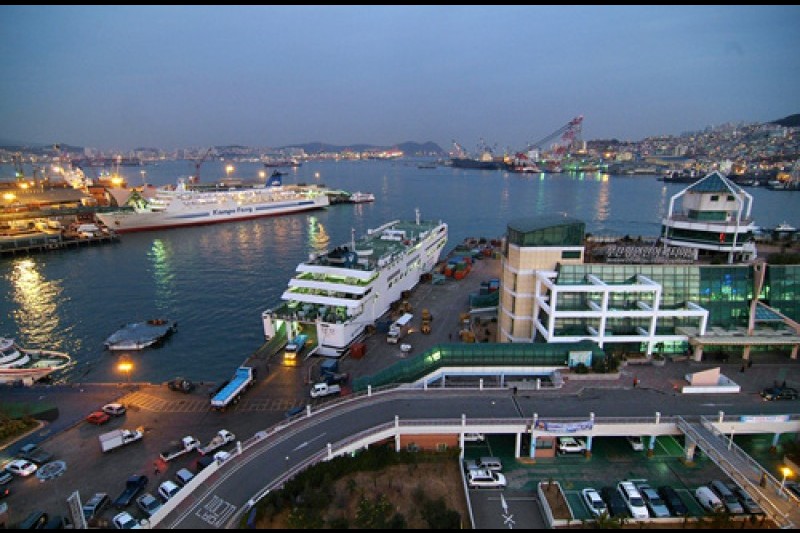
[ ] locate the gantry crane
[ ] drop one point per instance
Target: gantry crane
(566, 135)
(196, 177)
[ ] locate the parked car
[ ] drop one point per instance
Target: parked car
(183, 476)
(114, 409)
(181, 385)
(633, 499)
(21, 467)
(485, 478)
(167, 490)
(616, 505)
(203, 462)
(294, 411)
(95, 505)
(658, 508)
(594, 502)
(473, 437)
(636, 443)
(34, 520)
(125, 521)
(729, 499)
(133, 486)
(33, 453)
(490, 463)
(148, 503)
(748, 502)
(571, 445)
(673, 501)
(779, 393)
(5, 477)
(98, 417)
(709, 499)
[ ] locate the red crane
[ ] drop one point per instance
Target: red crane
(197, 164)
(566, 134)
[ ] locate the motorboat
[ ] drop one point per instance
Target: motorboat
(27, 365)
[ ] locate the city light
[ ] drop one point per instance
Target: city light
(125, 367)
(787, 472)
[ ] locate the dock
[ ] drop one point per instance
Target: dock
(36, 242)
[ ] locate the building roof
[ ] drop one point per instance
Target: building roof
(535, 223)
(714, 182)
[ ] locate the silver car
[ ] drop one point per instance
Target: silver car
(654, 502)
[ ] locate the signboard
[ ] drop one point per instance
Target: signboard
(569, 427)
(578, 357)
(764, 418)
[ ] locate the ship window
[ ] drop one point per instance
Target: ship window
(715, 198)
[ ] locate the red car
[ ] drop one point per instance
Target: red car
(98, 417)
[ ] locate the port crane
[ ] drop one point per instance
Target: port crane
(566, 135)
(196, 177)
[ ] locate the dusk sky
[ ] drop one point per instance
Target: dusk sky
(266, 76)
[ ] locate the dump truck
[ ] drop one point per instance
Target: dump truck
(294, 349)
(187, 444)
(222, 438)
(230, 393)
(399, 328)
(119, 437)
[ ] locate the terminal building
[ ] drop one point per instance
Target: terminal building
(663, 301)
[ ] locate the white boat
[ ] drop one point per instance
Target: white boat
(359, 197)
(343, 291)
(26, 365)
(181, 206)
(140, 335)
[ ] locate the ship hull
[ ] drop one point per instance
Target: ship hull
(463, 162)
(132, 221)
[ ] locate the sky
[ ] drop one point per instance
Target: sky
(121, 77)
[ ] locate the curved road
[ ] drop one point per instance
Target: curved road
(227, 491)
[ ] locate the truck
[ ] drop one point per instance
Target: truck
(323, 389)
(187, 444)
(399, 328)
(119, 437)
(232, 391)
(133, 486)
(219, 440)
(293, 350)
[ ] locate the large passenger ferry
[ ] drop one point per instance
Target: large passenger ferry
(339, 293)
(181, 206)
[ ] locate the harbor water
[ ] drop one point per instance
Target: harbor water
(216, 280)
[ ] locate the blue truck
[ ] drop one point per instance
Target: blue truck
(294, 349)
(230, 393)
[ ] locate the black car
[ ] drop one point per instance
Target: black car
(779, 393)
(673, 501)
(614, 502)
(181, 385)
(133, 486)
(33, 453)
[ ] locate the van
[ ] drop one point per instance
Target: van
(491, 463)
(729, 499)
(633, 499)
(709, 499)
(95, 505)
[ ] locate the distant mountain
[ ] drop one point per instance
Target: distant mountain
(792, 121)
(409, 148)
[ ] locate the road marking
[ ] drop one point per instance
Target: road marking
(216, 512)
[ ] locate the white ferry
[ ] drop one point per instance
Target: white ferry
(181, 206)
(341, 292)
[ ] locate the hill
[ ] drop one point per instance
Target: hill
(792, 121)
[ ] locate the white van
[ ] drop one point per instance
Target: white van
(633, 499)
(708, 499)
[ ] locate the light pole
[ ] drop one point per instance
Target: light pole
(229, 170)
(786, 471)
(125, 367)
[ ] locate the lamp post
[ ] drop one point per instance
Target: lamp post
(786, 471)
(229, 170)
(125, 367)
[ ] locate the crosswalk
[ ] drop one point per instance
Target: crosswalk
(148, 402)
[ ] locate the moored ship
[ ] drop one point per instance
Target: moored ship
(182, 206)
(339, 293)
(26, 365)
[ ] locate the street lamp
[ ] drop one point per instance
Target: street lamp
(786, 471)
(229, 170)
(125, 367)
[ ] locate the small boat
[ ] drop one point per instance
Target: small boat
(140, 335)
(17, 363)
(360, 197)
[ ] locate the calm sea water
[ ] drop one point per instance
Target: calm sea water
(216, 280)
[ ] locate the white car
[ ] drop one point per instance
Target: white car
(167, 490)
(125, 521)
(21, 467)
(114, 409)
(571, 445)
(593, 501)
(636, 443)
(632, 498)
(222, 456)
(484, 478)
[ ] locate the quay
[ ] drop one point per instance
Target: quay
(36, 242)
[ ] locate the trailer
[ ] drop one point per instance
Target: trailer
(222, 438)
(187, 444)
(232, 391)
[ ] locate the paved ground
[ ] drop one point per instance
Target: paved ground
(166, 416)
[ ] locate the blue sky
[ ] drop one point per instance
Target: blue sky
(176, 76)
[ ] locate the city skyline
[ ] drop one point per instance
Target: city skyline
(119, 77)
